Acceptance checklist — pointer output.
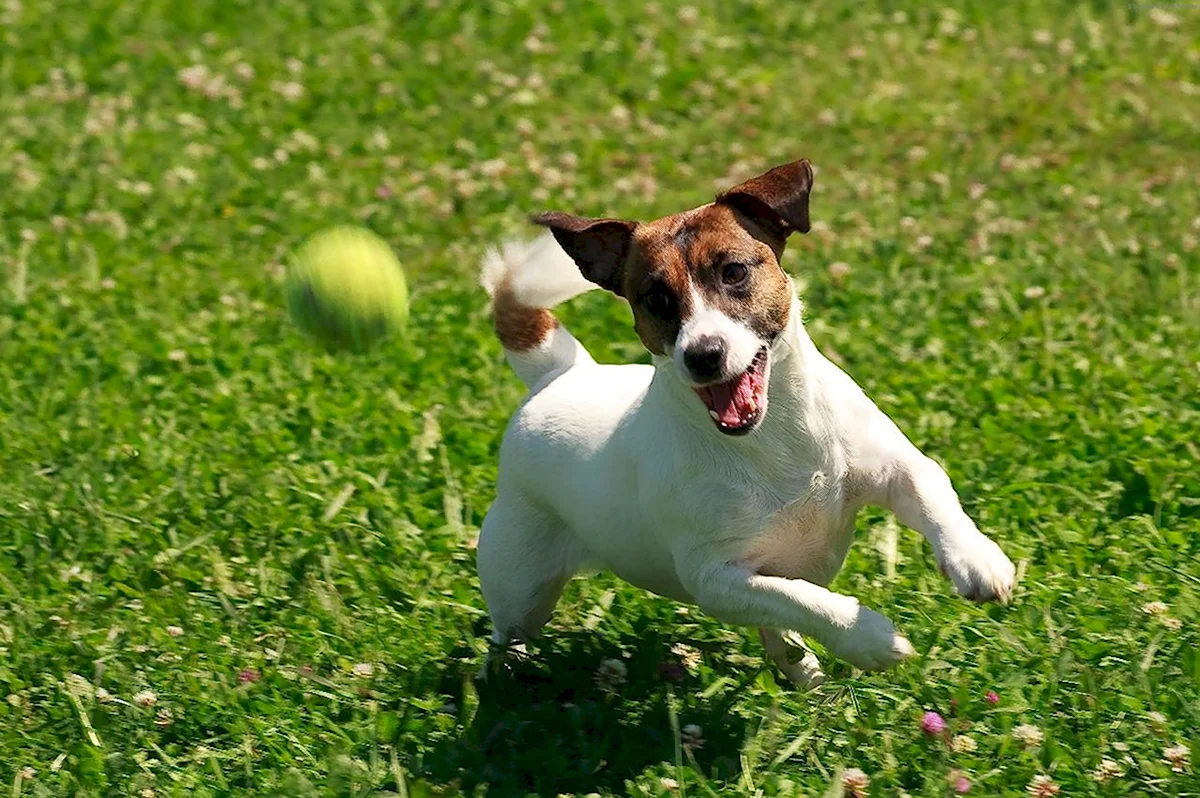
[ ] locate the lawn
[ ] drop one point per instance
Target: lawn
(232, 563)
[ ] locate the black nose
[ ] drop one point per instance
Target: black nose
(705, 358)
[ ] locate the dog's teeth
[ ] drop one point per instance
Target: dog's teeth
(752, 405)
(714, 415)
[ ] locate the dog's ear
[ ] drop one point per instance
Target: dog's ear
(777, 199)
(598, 246)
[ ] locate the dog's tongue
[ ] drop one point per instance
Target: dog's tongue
(735, 402)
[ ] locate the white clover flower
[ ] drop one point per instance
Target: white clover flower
(963, 744)
(1029, 735)
(1177, 757)
(1042, 787)
(611, 673)
(855, 782)
(1107, 770)
(1155, 608)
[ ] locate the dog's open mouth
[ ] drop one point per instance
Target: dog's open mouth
(736, 406)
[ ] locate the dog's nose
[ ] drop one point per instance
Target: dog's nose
(705, 358)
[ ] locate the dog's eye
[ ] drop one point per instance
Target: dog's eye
(734, 273)
(660, 302)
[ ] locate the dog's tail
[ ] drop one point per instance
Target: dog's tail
(525, 279)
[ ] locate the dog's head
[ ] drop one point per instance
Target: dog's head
(705, 285)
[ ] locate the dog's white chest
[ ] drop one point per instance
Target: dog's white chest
(807, 538)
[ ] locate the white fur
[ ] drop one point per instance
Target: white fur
(741, 343)
(620, 467)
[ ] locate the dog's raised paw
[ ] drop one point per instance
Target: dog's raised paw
(980, 571)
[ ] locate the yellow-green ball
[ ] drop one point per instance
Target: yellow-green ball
(345, 288)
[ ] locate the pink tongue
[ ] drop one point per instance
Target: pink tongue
(731, 400)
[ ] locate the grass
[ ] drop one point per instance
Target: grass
(232, 564)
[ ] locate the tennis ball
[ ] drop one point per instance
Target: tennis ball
(345, 288)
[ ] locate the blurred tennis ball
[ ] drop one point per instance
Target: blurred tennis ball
(345, 287)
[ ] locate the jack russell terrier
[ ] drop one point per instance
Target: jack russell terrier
(728, 473)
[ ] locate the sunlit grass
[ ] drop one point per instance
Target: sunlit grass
(231, 563)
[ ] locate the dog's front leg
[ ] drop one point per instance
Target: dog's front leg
(920, 494)
(735, 594)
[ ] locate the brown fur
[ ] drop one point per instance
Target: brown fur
(519, 327)
(778, 198)
(656, 262)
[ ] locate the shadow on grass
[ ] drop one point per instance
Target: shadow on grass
(545, 726)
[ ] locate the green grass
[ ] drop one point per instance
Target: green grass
(1019, 211)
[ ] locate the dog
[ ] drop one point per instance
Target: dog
(727, 473)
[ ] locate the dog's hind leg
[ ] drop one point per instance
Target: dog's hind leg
(524, 559)
(789, 652)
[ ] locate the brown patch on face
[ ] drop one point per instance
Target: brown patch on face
(656, 284)
(520, 327)
(737, 271)
(699, 250)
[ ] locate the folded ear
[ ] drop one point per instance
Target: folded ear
(778, 199)
(598, 246)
